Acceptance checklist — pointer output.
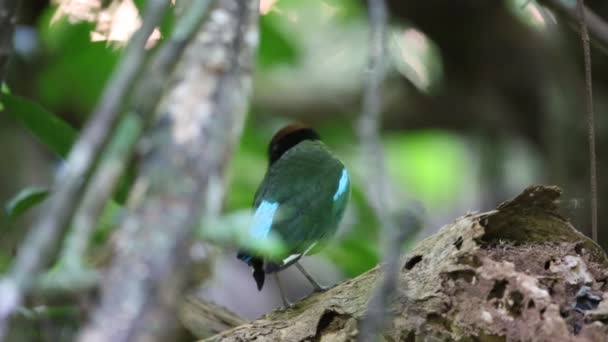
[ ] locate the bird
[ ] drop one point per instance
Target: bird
(302, 199)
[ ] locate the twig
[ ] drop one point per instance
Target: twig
(47, 230)
(184, 159)
(369, 127)
(580, 6)
(598, 28)
(146, 99)
(8, 12)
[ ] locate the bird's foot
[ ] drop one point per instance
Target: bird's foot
(286, 305)
(320, 288)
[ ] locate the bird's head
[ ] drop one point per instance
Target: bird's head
(288, 137)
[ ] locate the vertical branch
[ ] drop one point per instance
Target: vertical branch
(184, 158)
(47, 230)
(580, 7)
(370, 119)
(378, 188)
(8, 17)
(595, 25)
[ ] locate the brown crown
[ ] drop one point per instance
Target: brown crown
(287, 130)
(287, 137)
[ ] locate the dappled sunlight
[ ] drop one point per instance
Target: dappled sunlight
(115, 24)
(267, 5)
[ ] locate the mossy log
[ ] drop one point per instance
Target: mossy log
(518, 273)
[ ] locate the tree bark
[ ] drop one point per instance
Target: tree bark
(184, 157)
(520, 272)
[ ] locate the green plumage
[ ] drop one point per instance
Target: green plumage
(305, 182)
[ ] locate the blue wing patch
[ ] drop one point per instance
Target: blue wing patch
(342, 185)
(262, 219)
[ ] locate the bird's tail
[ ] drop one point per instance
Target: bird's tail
(257, 264)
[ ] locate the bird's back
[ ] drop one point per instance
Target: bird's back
(302, 197)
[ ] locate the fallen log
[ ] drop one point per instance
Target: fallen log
(519, 272)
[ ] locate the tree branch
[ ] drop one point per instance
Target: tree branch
(8, 13)
(184, 158)
(47, 230)
(590, 117)
(204, 319)
(598, 28)
(378, 188)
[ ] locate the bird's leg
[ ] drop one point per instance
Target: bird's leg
(286, 303)
(313, 282)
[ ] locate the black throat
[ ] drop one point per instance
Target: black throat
(283, 143)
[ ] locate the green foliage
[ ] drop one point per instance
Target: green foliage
(431, 165)
(25, 200)
(353, 255)
(274, 48)
(340, 10)
(125, 136)
(356, 250)
(51, 130)
(233, 229)
(77, 68)
(107, 222)
(167, 25)
(247, 169)
(346, 10)
(59, 136)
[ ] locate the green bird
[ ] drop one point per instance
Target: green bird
(302, 199)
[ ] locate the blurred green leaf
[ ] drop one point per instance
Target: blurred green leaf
(353, 255)
(77, 69)
(275, 48)
(59, 136)
(53, 132)
(166, 27)
(250, 156)
(139, 4)
(432, 164)
(346, 10)
(233, 230)
(124, 138)
(45, 312)
(107, 222)
(25, 200)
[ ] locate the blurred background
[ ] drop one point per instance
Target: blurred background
(482, 99)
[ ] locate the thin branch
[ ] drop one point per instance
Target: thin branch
(8, 17)
(590, 116)
(182, 174)
(47, 230)
(204, 319)
(369, 127)
(597, 27)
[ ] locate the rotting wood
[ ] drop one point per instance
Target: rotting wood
(520, 272)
